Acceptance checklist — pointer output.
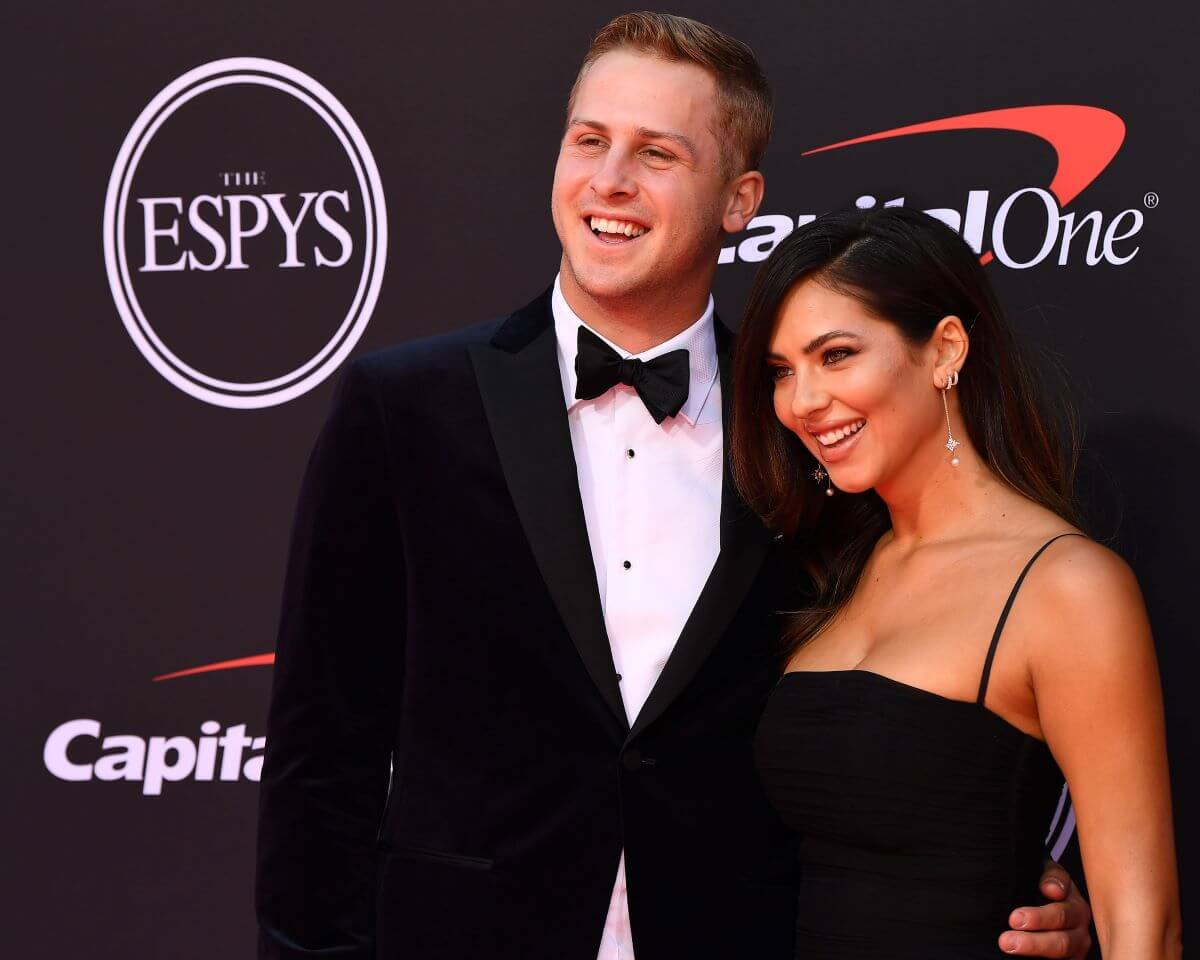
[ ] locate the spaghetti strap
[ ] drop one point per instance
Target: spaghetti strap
(991, 654)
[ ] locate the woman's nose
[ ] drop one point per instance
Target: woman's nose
(808, 397)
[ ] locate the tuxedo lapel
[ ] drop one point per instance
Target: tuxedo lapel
(744, 543)
(521, 388)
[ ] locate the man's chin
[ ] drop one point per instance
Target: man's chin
(602, 282)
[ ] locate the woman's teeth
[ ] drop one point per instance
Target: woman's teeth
(600, 225)
(833, 436)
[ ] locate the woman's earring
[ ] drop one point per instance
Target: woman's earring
(951, 443)
(819, 474)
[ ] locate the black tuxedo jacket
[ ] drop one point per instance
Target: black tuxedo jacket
(449, 772)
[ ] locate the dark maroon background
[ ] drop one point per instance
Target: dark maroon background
(145, 531)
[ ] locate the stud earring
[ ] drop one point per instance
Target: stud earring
(951, 443)
(819, 474)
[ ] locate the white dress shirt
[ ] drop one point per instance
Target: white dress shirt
(652, 503)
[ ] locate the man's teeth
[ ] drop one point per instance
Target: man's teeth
(833, 436)
(617, 226)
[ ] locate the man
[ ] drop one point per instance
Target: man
(528, 626)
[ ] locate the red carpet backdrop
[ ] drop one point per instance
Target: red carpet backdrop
(211, 206)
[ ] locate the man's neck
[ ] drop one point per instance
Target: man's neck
(638, 323)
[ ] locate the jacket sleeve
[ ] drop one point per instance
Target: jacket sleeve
(334, 700)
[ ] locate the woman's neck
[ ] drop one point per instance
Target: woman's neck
(938, 501)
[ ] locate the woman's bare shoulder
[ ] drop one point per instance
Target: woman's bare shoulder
(1072, 569)
(1078, 569)
(1081, 596)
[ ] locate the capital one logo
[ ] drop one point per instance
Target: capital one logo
(1085, 140)
(245, 233)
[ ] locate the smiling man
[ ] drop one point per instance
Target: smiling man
(528, 625)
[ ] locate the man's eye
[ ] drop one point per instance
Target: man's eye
(590, 142)
(836, 354)
(657, 154)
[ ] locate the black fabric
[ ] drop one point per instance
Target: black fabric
(923, 818)
(662, 383)
(441, 617)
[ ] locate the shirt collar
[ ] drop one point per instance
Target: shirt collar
(699, 340)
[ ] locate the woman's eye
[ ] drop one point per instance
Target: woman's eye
(836, 354)
(778, 373)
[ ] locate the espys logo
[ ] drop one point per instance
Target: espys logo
(245, 233)
(1084, 139)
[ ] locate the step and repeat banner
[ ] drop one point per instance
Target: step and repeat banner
(211, 207)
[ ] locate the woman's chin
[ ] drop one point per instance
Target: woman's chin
(850, 483)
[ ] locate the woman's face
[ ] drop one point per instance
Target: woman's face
(860, 398)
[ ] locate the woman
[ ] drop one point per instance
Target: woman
(884, 417)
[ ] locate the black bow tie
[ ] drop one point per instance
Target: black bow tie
(662, 383)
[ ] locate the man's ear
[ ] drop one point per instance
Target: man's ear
(744, 199)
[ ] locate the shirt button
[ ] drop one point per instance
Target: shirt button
(627, 564)
(629, 453)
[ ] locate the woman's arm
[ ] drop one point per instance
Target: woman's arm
(1095, 679)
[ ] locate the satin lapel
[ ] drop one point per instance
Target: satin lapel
(521, 389)
(744, 543)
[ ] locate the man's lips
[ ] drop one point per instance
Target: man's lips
(614, 231)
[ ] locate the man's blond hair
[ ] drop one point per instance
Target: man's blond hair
(743, 97)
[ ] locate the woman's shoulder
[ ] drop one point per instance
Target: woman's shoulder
(1070, 567)
(1081, 597)
(1074, 569)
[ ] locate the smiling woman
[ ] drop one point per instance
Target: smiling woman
(920, 764)
(874, 288)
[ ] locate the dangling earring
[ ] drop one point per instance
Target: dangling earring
(819, 474)
(951, 443)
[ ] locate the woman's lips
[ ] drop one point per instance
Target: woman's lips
(839, 451)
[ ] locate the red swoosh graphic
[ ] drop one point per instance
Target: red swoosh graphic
(1085, 139)
(259, 660)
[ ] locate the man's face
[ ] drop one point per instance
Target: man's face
(639, 191)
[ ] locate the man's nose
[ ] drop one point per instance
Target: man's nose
(615, 176)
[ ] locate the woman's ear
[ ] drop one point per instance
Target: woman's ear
(951, 344)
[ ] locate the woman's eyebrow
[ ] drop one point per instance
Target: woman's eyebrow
(823, 338)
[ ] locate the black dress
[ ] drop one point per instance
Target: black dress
(922, 819)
